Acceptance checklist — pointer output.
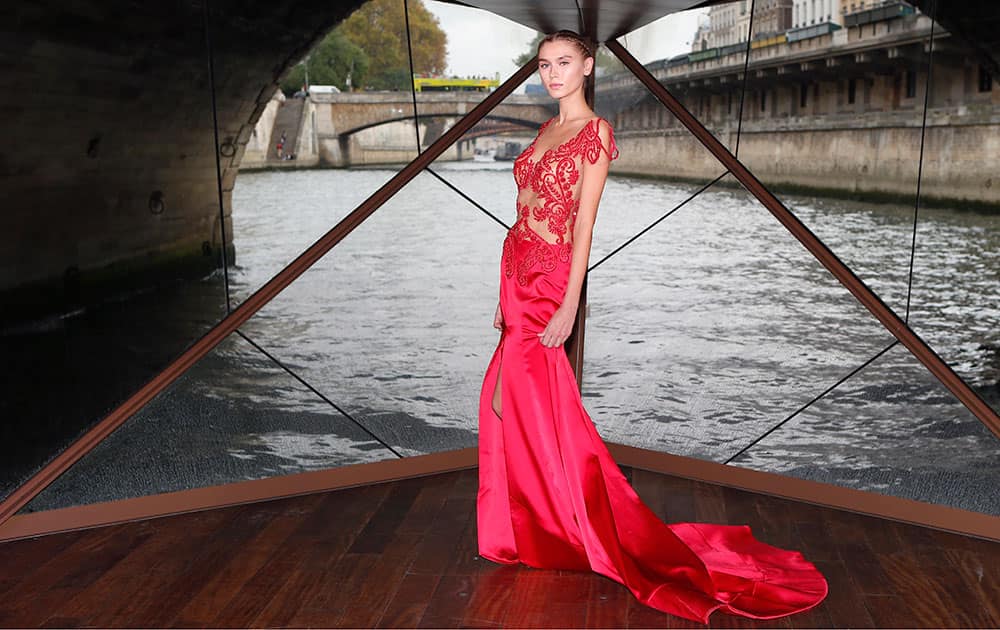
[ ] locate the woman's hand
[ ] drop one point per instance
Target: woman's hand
(498, 319)
(559, 327)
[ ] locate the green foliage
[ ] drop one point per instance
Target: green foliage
(527, 55)
(330, 63)
(370, 48)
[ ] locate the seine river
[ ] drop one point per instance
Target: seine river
(704, 334)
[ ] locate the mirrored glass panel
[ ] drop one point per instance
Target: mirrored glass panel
(112, 241)
(891, 429)
(234, 416)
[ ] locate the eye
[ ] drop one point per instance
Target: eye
(563, 63)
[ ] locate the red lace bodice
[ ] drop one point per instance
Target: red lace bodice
(548, 188)
(548, 195)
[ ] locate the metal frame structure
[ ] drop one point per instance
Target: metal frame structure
(13, 525)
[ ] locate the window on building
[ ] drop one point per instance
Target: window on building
(985, 80)
(763, 100)
(911, 84)
(803, 94)
(852, 89)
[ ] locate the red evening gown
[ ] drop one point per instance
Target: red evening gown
(550, 494)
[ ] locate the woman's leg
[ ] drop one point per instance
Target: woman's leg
(497, 406)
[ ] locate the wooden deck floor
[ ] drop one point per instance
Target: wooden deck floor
(403, 554)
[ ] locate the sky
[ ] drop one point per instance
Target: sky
(481, 43)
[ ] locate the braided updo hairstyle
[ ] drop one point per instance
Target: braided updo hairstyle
(585, 48)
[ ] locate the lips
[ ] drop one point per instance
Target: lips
(555, 86)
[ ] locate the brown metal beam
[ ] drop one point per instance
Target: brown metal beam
(817, 248)
(23, 494)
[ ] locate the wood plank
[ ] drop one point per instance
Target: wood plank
(304, 561)
(607, 604)
(214, 593)
(409, 603)
(19, 561)
(138, 594)
(449, 602)
(545, 599)
(491, 597)
(378, 586)
(298, 565)
(845, 603)
(434, 555)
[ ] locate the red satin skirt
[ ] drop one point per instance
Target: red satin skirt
(551, 496)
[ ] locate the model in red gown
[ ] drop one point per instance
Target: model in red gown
(550, 494)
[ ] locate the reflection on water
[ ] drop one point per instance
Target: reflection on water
(707, 331)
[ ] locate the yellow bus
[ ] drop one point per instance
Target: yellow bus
(450, 84)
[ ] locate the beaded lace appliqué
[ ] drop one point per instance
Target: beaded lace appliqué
(553, 179)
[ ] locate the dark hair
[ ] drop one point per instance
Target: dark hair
(585, 48)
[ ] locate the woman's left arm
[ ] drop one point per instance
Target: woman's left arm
(593, 177)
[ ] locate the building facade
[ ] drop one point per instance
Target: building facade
(812, 12)
(729, 23)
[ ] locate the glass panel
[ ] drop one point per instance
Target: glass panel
(394, 324)
(892, 429)
(708, 331)
(234, 416)
(314, 154)
(455, 72)
(955, 293)
(954, 303)
(111, 232)
(699, 57)
(833, 126)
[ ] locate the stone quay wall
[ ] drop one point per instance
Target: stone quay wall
(877, 161)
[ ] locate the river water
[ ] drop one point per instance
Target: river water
(703, 335)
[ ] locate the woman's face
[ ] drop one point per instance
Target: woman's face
(562, 67)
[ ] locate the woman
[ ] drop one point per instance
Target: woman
(550, 495)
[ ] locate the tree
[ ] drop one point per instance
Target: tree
(330, 63)
(378, 28)
(370, 47)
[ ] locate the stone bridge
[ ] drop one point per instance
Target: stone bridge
(342, 119)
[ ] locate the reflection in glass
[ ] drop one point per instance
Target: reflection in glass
(892, 429)
(234, 416)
